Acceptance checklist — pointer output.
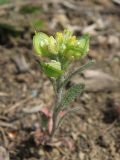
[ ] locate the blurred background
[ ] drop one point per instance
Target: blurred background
(94, 131)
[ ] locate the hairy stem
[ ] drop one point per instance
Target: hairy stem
(58, 98)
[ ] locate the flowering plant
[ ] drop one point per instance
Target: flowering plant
(58, 54)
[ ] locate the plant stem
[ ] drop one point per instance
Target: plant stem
(58, 99)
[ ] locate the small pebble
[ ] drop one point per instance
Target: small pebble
(81, 155)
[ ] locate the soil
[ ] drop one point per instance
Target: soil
(94, 130)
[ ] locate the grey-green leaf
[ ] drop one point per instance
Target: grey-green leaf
(71, 94)
(79, 70)
(65, 115)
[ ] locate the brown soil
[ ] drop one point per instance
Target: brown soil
(94, 130)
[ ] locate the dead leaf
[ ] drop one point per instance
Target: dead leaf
(21, 63)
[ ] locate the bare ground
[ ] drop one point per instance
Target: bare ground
(94, 130)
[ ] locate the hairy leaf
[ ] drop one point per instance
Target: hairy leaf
(52, 69)
(72, 93)
(66, 113)
(79, 70)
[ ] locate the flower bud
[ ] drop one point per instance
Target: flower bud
(67, 34)
(52, 46)
(40, 43)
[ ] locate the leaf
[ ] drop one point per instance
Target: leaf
(66, 113)
(45, 111)
(52, 69)
(37, 24)
(45, 117)
(61, 114)
(72, 93)
(44, 121)
(85, 66)
(4, 2)
(29, 9)
(50, 125)
(79, 70)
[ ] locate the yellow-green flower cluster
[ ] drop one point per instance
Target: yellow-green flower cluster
(60, 50)
(64, 45)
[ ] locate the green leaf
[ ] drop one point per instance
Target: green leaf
(52, 69)
(37, 24)
(60, 120)
(72, 93)
(29, 9)
(4, 2)
(79, 70)
(85, 66)
(44, 121)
